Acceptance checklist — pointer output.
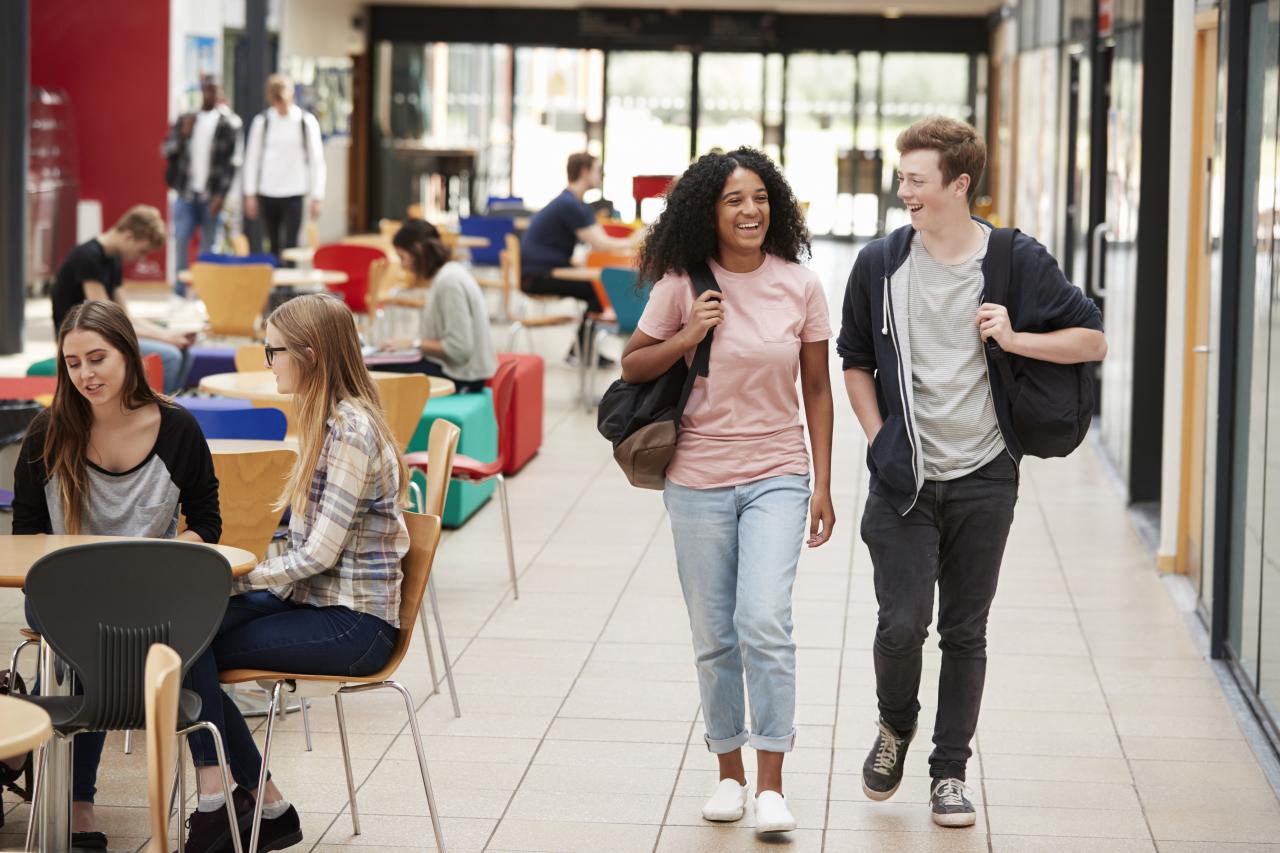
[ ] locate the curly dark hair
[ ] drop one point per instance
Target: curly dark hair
(685, 233)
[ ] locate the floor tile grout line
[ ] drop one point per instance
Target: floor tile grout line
(675, 784)
(586, 660)
(1093, 663)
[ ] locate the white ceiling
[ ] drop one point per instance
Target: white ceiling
(830, 7)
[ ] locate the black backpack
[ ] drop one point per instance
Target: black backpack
(643, 420)
(1052, 403)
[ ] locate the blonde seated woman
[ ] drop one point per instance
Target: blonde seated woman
(329, 605)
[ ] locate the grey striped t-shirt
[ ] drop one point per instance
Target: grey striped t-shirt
(954, 411)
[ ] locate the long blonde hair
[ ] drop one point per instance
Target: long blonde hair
(319, 331)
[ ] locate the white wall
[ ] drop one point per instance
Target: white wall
(321, 28)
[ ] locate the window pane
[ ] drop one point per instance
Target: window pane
(820, 95)
(730, 89)
(555, 100)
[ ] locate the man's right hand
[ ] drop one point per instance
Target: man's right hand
(185, 124)
(251, 207)
(707, 313)
(182, 340)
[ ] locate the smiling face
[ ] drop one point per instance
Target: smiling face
(929, 200)
(742, 213)
(96, 369)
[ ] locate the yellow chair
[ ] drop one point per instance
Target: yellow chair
(250, 357)
(424, 538)
(511, 287)
(162, 679)
(248, 485)
(234, 295)
(403, 397)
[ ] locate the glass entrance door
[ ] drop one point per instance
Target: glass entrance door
(730, 101)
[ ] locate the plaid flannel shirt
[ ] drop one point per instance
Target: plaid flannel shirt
(346, 548)
(224, 158)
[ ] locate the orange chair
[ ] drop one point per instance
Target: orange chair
(153, 367)
(355, 262)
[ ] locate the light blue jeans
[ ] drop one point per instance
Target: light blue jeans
(736, 552)
(176, 361)
(187, 217)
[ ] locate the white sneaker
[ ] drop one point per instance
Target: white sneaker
(772, 814)
(727, 803)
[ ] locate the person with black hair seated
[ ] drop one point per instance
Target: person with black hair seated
(454, 342)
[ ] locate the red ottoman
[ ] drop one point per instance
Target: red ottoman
(521, 436)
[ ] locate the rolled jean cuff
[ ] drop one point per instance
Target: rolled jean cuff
(760, 743)
(729, 744)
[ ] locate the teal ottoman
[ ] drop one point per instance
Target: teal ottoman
(48, 367)
(473, 414)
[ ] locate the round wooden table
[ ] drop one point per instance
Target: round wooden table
(587, 274)
(289, 277)
(259, 386)
(19, 553)
(23, 726)
(250, 445)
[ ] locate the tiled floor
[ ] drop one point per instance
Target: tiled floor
(1103, 729)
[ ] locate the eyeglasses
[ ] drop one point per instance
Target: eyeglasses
(271, 353)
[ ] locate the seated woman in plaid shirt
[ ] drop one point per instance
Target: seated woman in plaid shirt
(330, 604)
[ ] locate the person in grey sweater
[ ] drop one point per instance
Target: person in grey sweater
(455, 342)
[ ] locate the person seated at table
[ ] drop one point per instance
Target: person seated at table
(329, 605)
(455, 341)
(556, 230)
(95, 270)
(110, 457)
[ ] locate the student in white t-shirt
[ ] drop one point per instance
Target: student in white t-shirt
(738, 488)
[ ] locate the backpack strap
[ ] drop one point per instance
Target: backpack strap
(996, 282)
(703, 280)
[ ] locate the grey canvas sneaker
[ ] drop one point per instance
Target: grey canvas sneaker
(950, 805)
(882, 771)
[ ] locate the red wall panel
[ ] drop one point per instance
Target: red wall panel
(112, 58)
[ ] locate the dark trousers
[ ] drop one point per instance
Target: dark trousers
(261, 631)
(954, 537)
(431, 368)
(544, 285)
(281, 219)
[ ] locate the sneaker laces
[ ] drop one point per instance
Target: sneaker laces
(950, 792)
(887, 754)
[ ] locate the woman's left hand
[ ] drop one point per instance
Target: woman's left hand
(822, 517)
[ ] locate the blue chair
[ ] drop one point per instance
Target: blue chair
(503, 201)
(628, 301)
(217, 258)
(495, 229)
(261, 424)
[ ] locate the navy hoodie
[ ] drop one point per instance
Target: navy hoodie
(874, 336)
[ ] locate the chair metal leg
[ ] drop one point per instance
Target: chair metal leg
(13, 661)
(426, 638)
(346, 764)
(226, 778)
(128, 741)
(182, 795)
(35, 794)
(262, 773)
(506, 529)
(422, 758)
(306, 721)
(515, 330)
(444, 647)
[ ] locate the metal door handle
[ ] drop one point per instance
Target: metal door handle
(1096, 236)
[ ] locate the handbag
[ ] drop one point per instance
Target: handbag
(642, 420)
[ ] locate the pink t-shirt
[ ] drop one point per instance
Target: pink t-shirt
(742, 422)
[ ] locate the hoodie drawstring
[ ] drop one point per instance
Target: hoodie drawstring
(884, 307)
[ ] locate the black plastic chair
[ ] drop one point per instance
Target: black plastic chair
(15, 417)
(101, 606)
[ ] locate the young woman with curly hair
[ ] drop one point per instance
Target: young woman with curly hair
(738, 488)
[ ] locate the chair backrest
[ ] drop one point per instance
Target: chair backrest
(424, 539)
(503, 201)
(248, 484)
(354, 261)
(15, 417)
(495, 228)
(442, 446)
(511, 266)
(504, 388)
(628, 302)
(153, 371)
(161, 683)
(384, 275)
(240, 245)
(26, 387)
(101, 606)
(617, 229)
(264, 424)
(250, 357)
(403, 396)
(234, 295)
(218, 258)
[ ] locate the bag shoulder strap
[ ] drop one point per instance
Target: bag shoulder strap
(703, 280)
(996, 284)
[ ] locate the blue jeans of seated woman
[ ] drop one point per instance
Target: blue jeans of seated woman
(261, 631)
(87, 747)
(736, 552)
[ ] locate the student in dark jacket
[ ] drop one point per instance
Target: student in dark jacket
(942, 453)
(110, 457)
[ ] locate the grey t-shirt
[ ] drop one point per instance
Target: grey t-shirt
(954, 411)
(455, 315)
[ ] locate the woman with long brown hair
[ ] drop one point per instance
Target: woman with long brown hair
(330, 604)
(110, 457)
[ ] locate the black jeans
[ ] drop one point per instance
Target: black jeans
(543, 284)
(281, 219)
(954, 537)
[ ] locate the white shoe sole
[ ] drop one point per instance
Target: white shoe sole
(779, 826)
(880, 796)
(955, 820)
(722, 817)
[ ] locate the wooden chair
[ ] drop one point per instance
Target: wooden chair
(162, 679)
(239, 245)
(386, 291)
(250, 357)
(424, 539)
(511, 287)
(234, 295)
(403, 397)
(248, 485)
(442, 446)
